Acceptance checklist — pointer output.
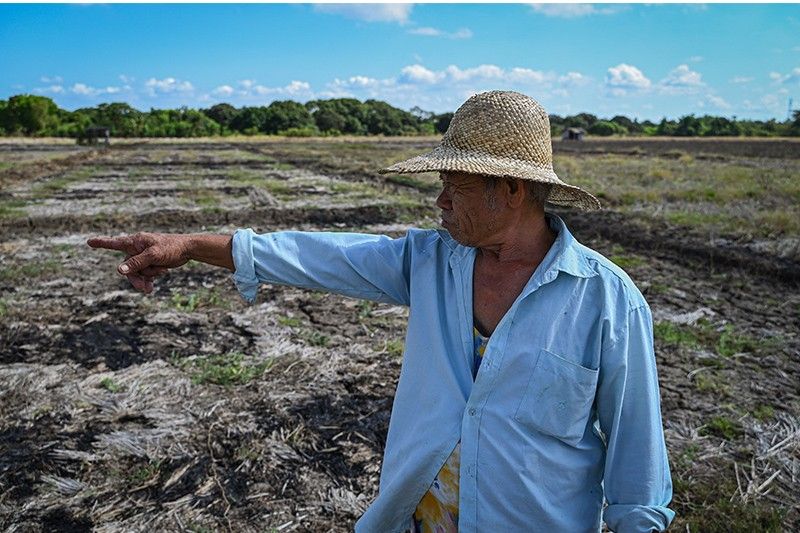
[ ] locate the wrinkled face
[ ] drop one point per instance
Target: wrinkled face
(468, 212)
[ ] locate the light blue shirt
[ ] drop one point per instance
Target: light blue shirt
(564, 412)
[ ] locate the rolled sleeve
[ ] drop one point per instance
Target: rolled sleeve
(244, 275)
(637, 482)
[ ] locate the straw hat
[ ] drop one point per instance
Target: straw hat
(502, 134)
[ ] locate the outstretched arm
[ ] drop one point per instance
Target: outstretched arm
(150, 255)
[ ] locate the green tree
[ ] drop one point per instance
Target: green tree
(121, 118)
(29, 114)
(250, 119)
(346, 115)
(665, 127)
(606, 128)
(327, 119)
(286, 114)
(223, 114)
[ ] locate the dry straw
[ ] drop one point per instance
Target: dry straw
(502, 134)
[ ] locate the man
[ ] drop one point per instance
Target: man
(528, 395)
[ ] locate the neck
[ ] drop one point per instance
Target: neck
(523, 242)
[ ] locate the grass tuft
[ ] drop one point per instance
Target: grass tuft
(224, 369)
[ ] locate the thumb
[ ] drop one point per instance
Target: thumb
(135, 264)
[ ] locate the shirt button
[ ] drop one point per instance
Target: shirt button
(471, 411)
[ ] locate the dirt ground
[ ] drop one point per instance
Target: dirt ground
(189, 410)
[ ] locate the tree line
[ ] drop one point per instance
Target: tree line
(39, 116)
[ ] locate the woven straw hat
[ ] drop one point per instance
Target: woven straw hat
(502, 134)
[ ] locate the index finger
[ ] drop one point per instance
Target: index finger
(110, 243)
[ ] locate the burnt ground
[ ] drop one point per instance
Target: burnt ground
(190, 410)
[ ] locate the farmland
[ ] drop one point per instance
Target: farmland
(190, 410)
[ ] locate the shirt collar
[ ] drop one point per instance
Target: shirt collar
(565, 255)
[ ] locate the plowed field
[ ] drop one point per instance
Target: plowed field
(190, 410)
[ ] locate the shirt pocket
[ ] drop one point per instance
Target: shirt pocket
(558, 398)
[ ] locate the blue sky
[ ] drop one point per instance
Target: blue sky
(644, 61)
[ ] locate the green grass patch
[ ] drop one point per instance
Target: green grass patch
(731, 343)
(276, 187)
(394, 347)
(110, 385)
(676, 334)
(145, 473)
(224, 369)
(627, 261)
(289, 321)
(763, 412)
(315, 338)
(365, 308)
(700, 194)
(56, 184)
(707, 507)
(26, 272)
(658, 288)
(201, 299)
(725, 341)
(709, 382)
(13, 208)
(723, 427)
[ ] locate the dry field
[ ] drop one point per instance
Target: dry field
(190, 410)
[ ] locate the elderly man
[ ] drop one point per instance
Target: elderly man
(528, 398)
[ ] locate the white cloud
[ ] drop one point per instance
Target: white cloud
(428, 32)
(166, 86)
(483, 72)
(80, 88)
(52, 89)
(223, 90)
(463, 33)
(741, 79)
(455, 76)
(87, 90)
(624, 78)
(573, 10)
(445, 89)
(126, 79)
(682, 80)
(249, 89)
(420, 74)
(791, 77)
(51, 79)
(695, 59)
(369, 12)
(717, 101)
(573, 79)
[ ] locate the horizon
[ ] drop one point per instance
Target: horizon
(645, 62)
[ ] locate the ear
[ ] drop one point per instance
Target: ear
(515, 190)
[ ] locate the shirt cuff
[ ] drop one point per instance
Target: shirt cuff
(622, 518)
(245, 274)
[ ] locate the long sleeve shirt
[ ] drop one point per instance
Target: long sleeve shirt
(564, 415)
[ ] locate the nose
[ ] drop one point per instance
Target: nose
(443, 200)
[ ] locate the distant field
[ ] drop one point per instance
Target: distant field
(190, 410)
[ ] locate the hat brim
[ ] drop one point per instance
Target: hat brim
(443, 159)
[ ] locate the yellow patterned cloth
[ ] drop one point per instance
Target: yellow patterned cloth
(437, 511)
